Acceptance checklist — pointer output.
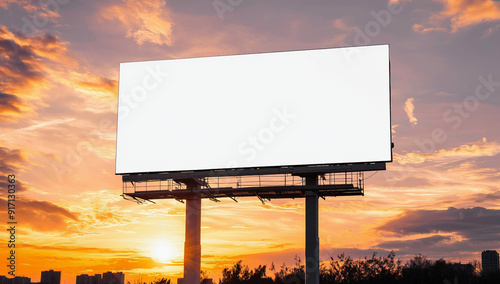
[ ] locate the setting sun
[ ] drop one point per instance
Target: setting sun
(162, 252)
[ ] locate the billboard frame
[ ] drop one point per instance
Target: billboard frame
(259, 170)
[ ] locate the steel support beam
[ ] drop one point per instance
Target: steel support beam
(312, 233)
(192, 246)
(296, 170)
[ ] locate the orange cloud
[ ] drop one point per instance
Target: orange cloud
(95, 211)
(475, 224)
(21, 69)
(102, 89)
(421, 29)
(393, 128)
(11, 163)
(5, 3)
(42, 10)
(32, 65)
(144, 21)
(100, 85)
(471, 150)
(76, 249)
(41, 215)
(11, 159)
(9, 104)
(461, 14)
(409, 108)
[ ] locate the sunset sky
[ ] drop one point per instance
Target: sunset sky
(59, 64)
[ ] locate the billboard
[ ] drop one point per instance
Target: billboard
(292, 108)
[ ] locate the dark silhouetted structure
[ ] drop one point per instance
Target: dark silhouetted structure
(113, 278)
(51, 277)
(489, 260)
(204, 281)
(86, 279)
(20, 280)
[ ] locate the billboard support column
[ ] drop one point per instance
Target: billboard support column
(192, 246)
(312, 234)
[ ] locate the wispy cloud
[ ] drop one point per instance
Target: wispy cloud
(47, 123)
(11, 159)
(9, 104)
(22, 71)
(478, 224)
(463, 13)
(470, 150)
(96, 210)
(6, 3)
(32, 65)
(42, 215)
(418, 244)
(79, 249)
(143, 21)
(12, 162)
(459, 14)
(42, 10)
(409, 109)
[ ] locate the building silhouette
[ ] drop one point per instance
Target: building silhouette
(86, 279)
(20, 280)
(15, 280)
(51, 277)
(113, 278)
(204, 281)
(489, 261)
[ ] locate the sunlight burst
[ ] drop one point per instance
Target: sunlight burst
(163, 252)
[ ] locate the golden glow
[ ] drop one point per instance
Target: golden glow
(162, 252)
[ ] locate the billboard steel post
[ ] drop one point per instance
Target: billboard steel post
(312, 235)
(192, 246)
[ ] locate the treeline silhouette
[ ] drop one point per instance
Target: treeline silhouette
(374, 270)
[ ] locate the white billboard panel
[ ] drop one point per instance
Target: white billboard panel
(324, 106)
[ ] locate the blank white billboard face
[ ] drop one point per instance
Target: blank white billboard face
(326, 106)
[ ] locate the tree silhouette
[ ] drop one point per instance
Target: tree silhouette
(294, 275)
(242, 274)
(369, 270)
(373, 270)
